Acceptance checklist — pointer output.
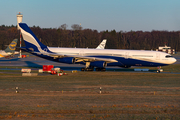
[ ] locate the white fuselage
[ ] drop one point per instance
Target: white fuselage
(142, 55)
(4, 54)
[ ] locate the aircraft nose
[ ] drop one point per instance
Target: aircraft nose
(174, 60)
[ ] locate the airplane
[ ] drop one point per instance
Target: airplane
(94, 58)
(10, 50)
(102, 44)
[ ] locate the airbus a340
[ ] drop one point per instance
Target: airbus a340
(94, 58)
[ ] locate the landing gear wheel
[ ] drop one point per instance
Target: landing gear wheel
(87, 69)
(100, 69)
(103, 69)
(82, 69)
(159, 69)
(97, 69)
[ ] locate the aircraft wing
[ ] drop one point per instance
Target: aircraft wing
(79, 58)
(92, 59)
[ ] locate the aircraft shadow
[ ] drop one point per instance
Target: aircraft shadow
(32, 64)
(35, 65)
(13, 59)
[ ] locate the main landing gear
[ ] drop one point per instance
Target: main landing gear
(92, 69)
(100, 69)
(87, 69)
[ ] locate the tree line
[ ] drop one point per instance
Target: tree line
(83, 38)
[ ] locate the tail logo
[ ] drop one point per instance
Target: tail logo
(45, 49)
(12, 46)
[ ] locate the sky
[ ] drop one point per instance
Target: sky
(100, 15)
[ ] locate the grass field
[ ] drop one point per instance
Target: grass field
(124, 95)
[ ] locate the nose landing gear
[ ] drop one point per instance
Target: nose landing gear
(159, 69)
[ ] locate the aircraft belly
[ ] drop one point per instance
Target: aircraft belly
(134, 62)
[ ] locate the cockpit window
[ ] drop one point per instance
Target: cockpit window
(168, 56)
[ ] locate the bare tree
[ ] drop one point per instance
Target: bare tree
(64, 26)
(76, 27)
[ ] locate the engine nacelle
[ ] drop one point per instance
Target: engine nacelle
(69, 60)
(99, 64)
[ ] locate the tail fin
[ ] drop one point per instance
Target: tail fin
(102, 44)
(31, 41)
(12, 46)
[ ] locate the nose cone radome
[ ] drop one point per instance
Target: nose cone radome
(173, 60)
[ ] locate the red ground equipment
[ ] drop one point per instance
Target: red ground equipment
(56, 71)
(47, 68)
(23, 56)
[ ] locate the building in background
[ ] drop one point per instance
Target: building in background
(166, 49)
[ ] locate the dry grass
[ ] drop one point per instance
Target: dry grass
(124, 95)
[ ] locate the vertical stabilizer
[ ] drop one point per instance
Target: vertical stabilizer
(31, 41)
(12, 46)
(102, 44)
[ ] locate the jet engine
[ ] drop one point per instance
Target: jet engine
(99, 64)
(69, 60)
